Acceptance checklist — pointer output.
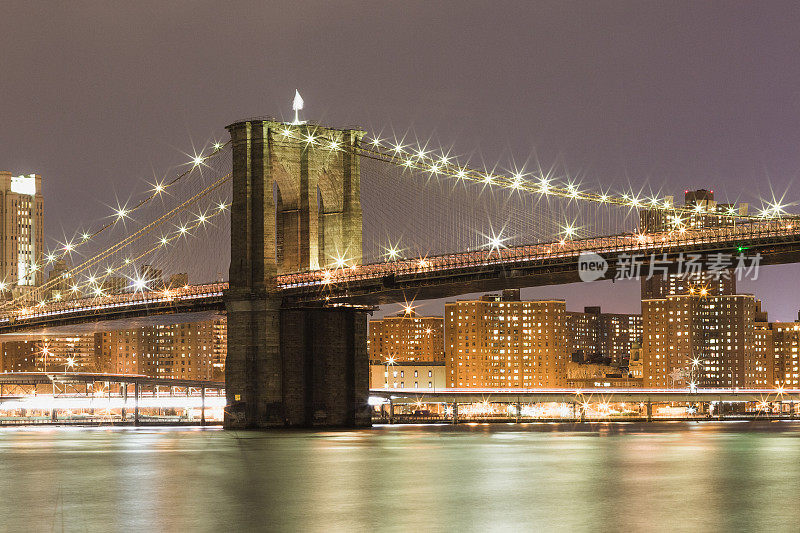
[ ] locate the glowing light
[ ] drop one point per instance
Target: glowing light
(51, 258)
(544, 186)
(121, 213)
(182, 230)
(86, 236)
(217, 146)
(334, 145)
(164, 241)
(198, 160)
(140, 284)
(68, 247)
(569, 231)
(222, 206)
(392, 253)
(3, 285)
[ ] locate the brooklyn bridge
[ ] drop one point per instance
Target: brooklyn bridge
(324, 224)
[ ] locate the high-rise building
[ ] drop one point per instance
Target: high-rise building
(708, 340)
(187, 350)
(500, 341)
(594, 335)
(786, 340)
(19, 356)
(21, 235)
(759, 363)
(406, 337)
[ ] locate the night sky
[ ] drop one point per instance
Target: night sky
(99, 96)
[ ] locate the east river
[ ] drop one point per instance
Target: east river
(708, 476)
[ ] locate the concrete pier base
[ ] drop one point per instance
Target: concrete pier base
(303, 367)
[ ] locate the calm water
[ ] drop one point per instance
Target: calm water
(670, 477)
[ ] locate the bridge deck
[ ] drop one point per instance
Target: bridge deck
(432, 277)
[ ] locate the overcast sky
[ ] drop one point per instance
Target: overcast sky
(663, 95)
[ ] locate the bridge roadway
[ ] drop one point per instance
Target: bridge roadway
(442, 276)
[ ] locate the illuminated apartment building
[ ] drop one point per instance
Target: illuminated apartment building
(186, 351)
(709, 340)
(21, 237)
(499, 341)
(593, 334)
(786, 339)
(19, 356)
(406, 336)
(75, 353)
(759, 363)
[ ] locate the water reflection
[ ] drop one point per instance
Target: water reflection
(671, 476)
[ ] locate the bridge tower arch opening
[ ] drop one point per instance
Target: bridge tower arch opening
(295, 207)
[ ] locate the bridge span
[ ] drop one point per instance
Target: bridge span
(450, 275)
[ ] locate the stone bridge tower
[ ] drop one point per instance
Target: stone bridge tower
(296, 206)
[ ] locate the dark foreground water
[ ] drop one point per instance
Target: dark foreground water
(706, 476)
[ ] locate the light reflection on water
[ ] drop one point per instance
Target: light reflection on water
(706, 476)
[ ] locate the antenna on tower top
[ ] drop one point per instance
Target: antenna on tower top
(297, 105)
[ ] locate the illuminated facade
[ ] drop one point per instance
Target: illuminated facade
(786, 339)
(186, 351)
(499, 341)
(594, 334)
(405, 337)
(21, 237)
(408, 375)
(708, 340)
